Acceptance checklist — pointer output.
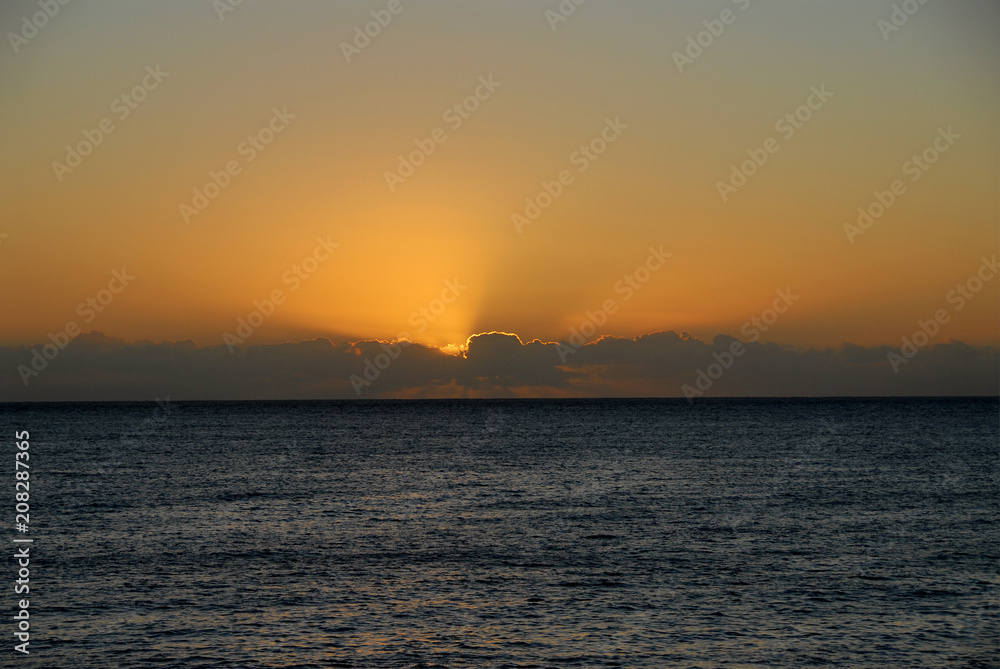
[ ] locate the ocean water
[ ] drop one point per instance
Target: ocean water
(612, 533)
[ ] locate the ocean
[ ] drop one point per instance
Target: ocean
(510, 533)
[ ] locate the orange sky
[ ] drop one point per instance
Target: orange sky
(323, 175)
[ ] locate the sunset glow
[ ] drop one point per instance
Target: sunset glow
(538, 183)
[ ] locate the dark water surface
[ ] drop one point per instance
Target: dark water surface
(634, 533)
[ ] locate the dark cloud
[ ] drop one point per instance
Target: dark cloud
(97, 367)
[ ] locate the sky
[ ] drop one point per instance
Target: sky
(257, 182)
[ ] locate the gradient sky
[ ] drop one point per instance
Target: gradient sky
(656, 185)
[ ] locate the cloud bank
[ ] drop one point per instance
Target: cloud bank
(662, 364)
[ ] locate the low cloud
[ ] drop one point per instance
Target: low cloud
(660, 364)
